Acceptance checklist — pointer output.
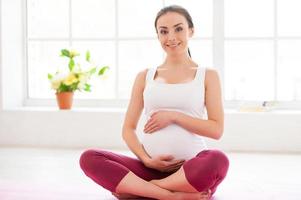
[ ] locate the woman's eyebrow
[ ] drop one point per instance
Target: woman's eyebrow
(173, 26)
(177, 24)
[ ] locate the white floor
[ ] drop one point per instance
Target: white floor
(53, 174)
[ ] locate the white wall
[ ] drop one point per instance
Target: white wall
(1, 104)
(12, 54)
(274, 131)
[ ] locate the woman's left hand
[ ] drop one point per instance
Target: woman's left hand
(159, 120)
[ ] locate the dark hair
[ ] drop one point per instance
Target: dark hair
(177, 9)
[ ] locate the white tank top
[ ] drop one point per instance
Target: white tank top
(187, 98)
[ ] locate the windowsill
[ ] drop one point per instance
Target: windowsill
(123, 110)
(274, 111)
(75, 109)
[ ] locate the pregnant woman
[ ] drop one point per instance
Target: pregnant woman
(172, 161)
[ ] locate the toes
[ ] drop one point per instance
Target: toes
(205, 195)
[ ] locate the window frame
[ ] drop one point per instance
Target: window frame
(218, 39)
(281, 105)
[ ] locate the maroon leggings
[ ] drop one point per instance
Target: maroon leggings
(203, 172)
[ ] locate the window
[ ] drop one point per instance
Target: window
(255, 44)
(262, 41)
(114, 35)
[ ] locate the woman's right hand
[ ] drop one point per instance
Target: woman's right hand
(164, 163)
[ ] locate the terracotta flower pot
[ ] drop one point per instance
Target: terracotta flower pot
(64, 100)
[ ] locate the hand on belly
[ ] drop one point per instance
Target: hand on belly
(164, 163)
(171, 140)
(158, 120)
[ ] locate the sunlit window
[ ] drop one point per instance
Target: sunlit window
(260, 43)
(262, 50)
(120, 34)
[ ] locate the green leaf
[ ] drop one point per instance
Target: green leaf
(65, 52)
(74, 86)
(87, 88)
(93, 70)
(64, 88)
(88, 56)
(71, 64)
(50, 76)
(102, 70)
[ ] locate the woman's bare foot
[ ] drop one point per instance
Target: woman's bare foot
(125, 196)
(187, 195)
(176, 195)
(155, 181)
(192, 196)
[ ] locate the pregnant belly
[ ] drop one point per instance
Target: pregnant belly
(173, 140)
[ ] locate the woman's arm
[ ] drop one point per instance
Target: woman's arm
(214, 126)
(132, 116)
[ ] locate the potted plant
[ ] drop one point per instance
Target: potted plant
(67, 82)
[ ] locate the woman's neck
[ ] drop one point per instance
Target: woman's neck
(178, 61)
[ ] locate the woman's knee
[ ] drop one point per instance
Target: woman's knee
(218, 161)
(85, 159)
(88, 159)
(207, 169)
(103, 167)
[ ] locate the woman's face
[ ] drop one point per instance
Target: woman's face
(173, 33)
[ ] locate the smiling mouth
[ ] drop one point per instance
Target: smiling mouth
(173, 45)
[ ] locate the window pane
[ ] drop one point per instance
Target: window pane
(249, 18)
(289, 16)
(289, 70)
(134, 56)
(48, 18)
(201, 13)
(102, 54)
(201, 52)
(43, 58)
(137, 17)
(249, 70)
(93, 18)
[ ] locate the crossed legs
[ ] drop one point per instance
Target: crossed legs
(123, 174)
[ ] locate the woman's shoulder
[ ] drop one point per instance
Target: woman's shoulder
(211, 71)
(143, 73)
(141, 76)
(211, 75)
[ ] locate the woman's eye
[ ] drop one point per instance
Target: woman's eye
(163, 32)
(179, 29)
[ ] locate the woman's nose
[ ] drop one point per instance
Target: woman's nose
(171, 37)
